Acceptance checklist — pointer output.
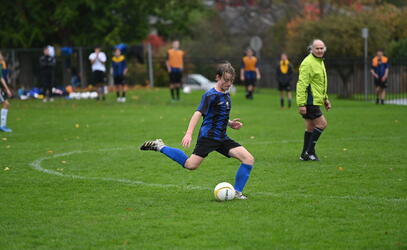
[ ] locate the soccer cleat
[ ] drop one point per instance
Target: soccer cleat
(5, 129)
(155, 145)
(313, 157)
(240, 196)
(304, 157)
(309, 157)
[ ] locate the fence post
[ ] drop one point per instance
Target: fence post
(150, 65)
(365, 35)
(81, 71)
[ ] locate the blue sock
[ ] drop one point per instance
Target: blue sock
(242, 176)
(175, 154)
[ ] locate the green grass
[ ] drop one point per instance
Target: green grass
(107, 194)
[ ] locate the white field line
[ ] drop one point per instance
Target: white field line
(37, 166)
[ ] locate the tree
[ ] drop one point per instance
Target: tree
(35, 23)
(342, 35)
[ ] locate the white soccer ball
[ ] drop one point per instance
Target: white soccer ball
(224, 192)
(187, 90)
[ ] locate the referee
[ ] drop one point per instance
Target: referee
(311, 94)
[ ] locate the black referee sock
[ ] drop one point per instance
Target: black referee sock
(281, 102)
(172, 94)
(313, 141)
(289, 103)
(124, 94)
(117, 93)
(307, 137)
(177, 91)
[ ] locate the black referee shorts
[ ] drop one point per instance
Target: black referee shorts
(313, 112)
(205, 145)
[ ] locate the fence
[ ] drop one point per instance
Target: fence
(345, 76)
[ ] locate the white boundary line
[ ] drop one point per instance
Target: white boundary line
(37, 166)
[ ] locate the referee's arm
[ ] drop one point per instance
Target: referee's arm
(302, 84)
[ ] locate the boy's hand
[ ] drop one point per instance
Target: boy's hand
(235, 123)
(9, 93)
(186, 141)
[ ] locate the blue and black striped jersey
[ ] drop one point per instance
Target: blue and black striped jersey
(215, 108)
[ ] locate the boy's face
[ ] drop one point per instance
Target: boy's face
(225, 82)
(117, 52)
(379, 54)
(249, 52)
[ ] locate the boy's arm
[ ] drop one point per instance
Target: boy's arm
(3, 82)
(258, 73)
(186, 141)
(167, 62)
(386, 74)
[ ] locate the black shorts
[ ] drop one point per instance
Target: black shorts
(118, 80)
(175, 76)
(313, 112)
(284, 86)
(98, 76)
(250, 81)
(380, 83)
(205, 145)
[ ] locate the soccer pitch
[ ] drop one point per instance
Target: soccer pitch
(72, 177)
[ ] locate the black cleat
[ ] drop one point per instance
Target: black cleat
(313, 157)
(309, 157)
(304, 157)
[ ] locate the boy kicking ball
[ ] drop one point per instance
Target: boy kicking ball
(215, 108)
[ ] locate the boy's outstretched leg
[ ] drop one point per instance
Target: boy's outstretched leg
(173, 153)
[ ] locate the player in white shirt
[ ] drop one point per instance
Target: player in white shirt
(98, 60)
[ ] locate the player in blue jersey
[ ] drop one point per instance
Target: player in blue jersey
(119, 66)
(215, 108)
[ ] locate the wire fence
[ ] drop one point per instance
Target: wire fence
(345, 76)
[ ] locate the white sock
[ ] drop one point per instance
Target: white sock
(3, 117)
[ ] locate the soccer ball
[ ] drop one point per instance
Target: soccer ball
(187, 90)
(224, 191)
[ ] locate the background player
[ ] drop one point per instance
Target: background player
(249, 72)
(4, 92)
(175, 66)
(98, 60)
(311, 94)
(380, 71)
(215, 108)
(284, 74)
(119, 66)
(47, 67)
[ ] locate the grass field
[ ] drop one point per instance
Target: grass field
(72, 177)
